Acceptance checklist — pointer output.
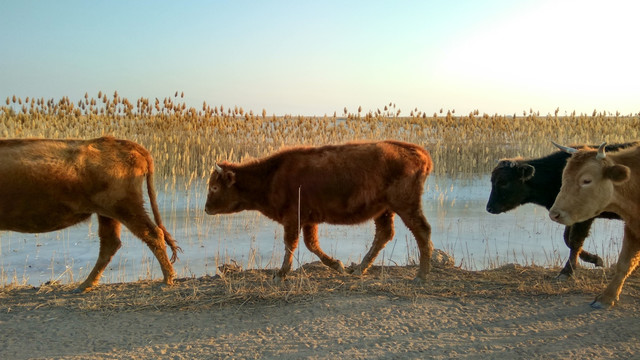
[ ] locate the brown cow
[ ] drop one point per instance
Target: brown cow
(594, 182)
(47, 185)
(336, 184)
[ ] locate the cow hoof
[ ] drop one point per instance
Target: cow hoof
(82, 289)
(339, 267)
(563, 277)
(598, 304)
(357, 271)
(419, 280)
(162, 286)
(599, 262)
(278, 279)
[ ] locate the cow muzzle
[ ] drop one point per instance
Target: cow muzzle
(491, 209)
(560, 216)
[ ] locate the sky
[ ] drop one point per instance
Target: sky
(318, 57)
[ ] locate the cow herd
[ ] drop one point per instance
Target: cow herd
(47, 185)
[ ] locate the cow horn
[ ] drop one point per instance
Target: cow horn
(601, 155)
(217, 168)
(566, 149)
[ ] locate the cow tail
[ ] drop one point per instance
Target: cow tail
(171, 242)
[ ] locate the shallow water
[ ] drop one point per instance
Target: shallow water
(454, 208)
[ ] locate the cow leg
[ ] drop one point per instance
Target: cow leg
(310, 235)
(574, 237)
(384, 234)
(581, 231)
(109, 232)
(417, 223)
(139, 223)
(627, 262)
(291, 237)
(572, 261)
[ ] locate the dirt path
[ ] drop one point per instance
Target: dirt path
(508, 313)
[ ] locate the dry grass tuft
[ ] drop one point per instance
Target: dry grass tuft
(309, 283)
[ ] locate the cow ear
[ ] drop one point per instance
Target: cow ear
(229, 178)
(617, 173)
(526, 172)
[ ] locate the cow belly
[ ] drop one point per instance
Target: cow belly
(341, 215)
(36, 219)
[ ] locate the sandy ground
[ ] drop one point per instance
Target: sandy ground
(507, 313)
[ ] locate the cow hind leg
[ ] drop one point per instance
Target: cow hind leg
(421, 230)
(139, 223)
(109, 232)
(291, 237)
(384, 234)
(574, 237)
(310, 235)
(572, 261)
(579, 233)
(627, 262)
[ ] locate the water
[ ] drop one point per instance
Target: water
(455, 209)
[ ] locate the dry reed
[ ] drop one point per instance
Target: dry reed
(185, 141)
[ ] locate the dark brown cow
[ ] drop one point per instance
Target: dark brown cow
(594, 182)
(337, 184)
(47, 185)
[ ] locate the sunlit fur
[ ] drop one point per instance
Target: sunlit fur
(578, 201)
(519, 181)
(591, 186)
(47, 185)
(337, 184)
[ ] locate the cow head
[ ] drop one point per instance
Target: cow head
(222, 197)
(588, 182)
(508, 185)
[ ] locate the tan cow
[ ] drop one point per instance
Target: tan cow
(336, 184)
(594, 182)
(47, 185)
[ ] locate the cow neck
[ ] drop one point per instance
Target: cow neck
(547, 179)
(625, 202)
(253, 180)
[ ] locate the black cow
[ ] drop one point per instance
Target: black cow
(515, 182)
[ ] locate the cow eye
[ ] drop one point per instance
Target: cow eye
(586, 182)
(215, 188)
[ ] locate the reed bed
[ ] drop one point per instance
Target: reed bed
(185, 141)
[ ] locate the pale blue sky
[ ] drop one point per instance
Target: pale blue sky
(317, 57)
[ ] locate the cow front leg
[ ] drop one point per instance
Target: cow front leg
(109, 232)
(574, 237)
(310, 235)
(291, 237)
(421, 230)
(384, 234)
(627, 262)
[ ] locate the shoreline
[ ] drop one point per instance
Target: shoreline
(506, 313)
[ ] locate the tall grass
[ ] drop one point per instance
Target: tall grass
(185, 141)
